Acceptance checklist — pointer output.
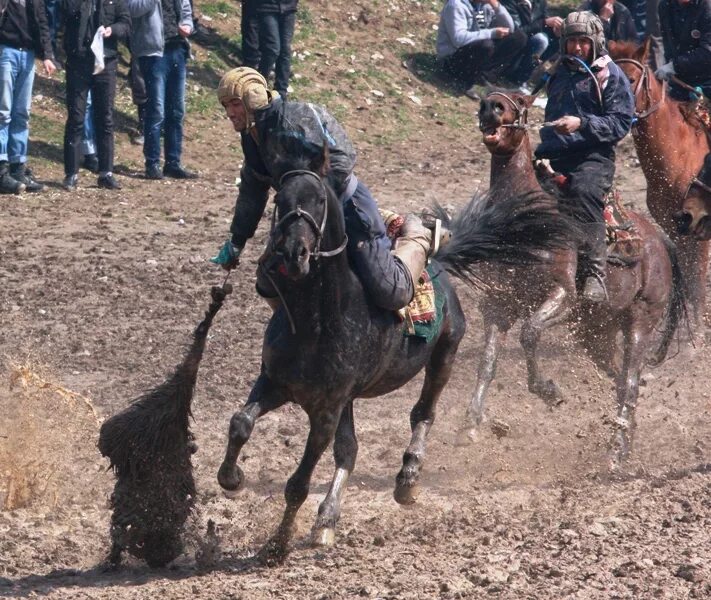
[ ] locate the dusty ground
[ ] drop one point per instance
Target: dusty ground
(100, 292)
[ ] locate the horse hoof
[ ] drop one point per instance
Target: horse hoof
(548, 391)
(406, 495)
(466, 436)
(325, 536)
(230, 478)
(272, 554)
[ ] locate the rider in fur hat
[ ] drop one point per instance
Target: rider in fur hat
(271, 130)
(590, 108)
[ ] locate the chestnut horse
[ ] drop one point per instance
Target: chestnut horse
(640, 292)
(671, 150)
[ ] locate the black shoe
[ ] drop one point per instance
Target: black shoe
(22, 173)
(10, 185)
(154, 172)
(91, 163)
(70, 183)
(178, 172)
(107, 182)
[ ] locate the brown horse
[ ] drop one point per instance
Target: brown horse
(542, 295)
(671, 150)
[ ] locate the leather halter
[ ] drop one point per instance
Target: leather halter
(300, 213)
(644, 82)
(521, 118)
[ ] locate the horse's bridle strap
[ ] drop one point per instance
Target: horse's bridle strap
(644, 82)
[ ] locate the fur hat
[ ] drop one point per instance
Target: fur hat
(585, 24)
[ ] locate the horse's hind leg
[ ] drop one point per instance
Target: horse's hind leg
(263, 398)
(345, 450)
(551, 312)
(635, 346)
(323, 427)
(423, 415)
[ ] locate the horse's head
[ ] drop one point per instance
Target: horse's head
(502, 120)
(648, 92)
(301, 215)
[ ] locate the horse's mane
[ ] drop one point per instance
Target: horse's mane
(622, 49)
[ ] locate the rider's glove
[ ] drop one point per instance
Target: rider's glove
(665, 71)
(228, 257)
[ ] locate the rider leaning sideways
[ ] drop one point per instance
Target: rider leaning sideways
(273, 130)
(590, 108)
(686, 30)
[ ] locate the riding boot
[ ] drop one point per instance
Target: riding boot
(596, 251)
(8, 184)
(413, 247)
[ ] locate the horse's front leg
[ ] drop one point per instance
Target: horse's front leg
(323, 427)
(263, 398)
(345, 451)
(550, 313)
(693, 260)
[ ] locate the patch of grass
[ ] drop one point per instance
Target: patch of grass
(305, 26)
(216, 9)
(46, 129)
(203, 102)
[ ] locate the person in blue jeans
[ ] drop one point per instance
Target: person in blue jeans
(159, 42)
(277, 20)
(23, 31)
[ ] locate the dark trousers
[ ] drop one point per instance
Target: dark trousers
(249, 28)
(491, 58)
(275, 33)
(103, 91)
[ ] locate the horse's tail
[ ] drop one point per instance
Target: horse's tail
(514, 230)
(676, 312)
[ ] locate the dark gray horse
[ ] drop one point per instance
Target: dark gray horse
(328, 344)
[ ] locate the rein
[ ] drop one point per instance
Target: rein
(644, 82)
(300, 213)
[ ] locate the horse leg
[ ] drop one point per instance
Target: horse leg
(322, 429)
(494, 334)
(263, 398)
(345, 450)
(600, 343)
(422, 416)
(693, 260)
(551, 312)
(635, 346)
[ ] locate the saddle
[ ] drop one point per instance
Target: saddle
(624, 242)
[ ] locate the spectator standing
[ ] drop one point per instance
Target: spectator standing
(617, 21)
(82, 20)
(23, 31)
(249, 28)
(277, 20)
(476, 41)
(531, 17)
(160, 29)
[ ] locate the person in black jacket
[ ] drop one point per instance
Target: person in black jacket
(531, 17)
(277, 20)
(82, 20)
(686, 30)
(617, 20)
(23, 31)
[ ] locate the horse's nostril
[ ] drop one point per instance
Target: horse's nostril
(303, 252)
(682, 220)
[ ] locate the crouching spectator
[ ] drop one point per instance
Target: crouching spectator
(159, 42)
(82, 20)
(23, 31)
(531, 17)
(476, 42)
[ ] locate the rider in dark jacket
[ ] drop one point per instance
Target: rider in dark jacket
(273, 130)
(686, 30)
(590, 108)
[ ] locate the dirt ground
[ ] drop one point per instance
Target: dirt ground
(100, 292)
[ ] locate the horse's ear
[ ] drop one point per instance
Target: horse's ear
(321, 164)
(642, 53)
(525, 101)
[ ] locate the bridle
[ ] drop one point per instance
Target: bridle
(276, 233)
(521, 118)
(644, 82)
(300, 213)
